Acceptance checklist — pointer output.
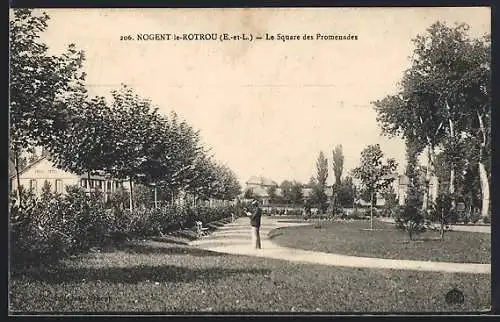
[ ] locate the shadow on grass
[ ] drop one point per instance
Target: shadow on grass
(170, 240)
(187, 234)
(134, 274)
(136, 248)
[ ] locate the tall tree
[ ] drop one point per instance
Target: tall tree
(38, 84)
(318, 194)
(338, 164)
(445, 94)
(83, 148)
(373, 173)
(321, 170)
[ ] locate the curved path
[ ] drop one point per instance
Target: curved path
(235, 238)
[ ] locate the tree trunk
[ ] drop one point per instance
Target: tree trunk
(131, 198)
(452, 187)
(156, 197)
(427, 180)
(483, 175)
(371, 211)
(485, 190)
(441, 231)
(18, 179)
(452, 166)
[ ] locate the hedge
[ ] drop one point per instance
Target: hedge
(55, 225)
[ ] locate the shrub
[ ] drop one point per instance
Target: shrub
(357, 215)
(410, 218)
(54, 225)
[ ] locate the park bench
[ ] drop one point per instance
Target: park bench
(201, 231)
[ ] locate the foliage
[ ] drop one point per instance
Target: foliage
(321, 170)
(445, 101)
(338, 164)
(391, 202)
(442, 210)
(56, 225)
(345, 192)
(373, 173)
(248, 194)
(410, 216)
(296, 195)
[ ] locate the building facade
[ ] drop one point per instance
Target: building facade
(43, 171)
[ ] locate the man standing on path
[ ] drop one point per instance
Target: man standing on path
(255, 216)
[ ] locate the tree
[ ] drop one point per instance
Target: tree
(318, 195)
(271, 192)
(373, 173)
(445, 97)
(296, 195)
(248, 194)
(286, 188)
(443, 211)
(390, 201)
(321, 170)
(38, 84)
(132, 134)
(410, 217)
(84, 147)
(338, 164)
(346, 192)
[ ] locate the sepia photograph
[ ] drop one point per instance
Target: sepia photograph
(248, 161)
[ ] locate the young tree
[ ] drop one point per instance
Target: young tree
(373, 173)
(410, 218)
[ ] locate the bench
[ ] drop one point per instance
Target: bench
(201, 231)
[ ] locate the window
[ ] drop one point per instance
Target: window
(84, 183)
(59, 186)
(33, 184)
(92, 183)
(99, 182)
(109, 186)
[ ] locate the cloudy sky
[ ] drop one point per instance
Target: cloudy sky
(265, 107)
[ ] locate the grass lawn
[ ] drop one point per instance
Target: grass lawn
(385, 241)
(159, 276)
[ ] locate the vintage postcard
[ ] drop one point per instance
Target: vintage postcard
(258, 160)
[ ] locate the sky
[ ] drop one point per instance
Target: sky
(266, 108)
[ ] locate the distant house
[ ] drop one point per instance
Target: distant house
(259, 187)
(34, 176)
